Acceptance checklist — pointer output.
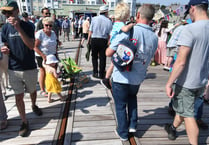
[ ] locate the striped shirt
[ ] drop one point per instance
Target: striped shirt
(175, 36)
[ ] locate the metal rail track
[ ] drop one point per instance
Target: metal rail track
(64, 117)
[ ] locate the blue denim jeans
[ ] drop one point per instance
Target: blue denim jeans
(198, 107)
(125, 100)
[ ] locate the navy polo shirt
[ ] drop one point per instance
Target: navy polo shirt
(20, 57)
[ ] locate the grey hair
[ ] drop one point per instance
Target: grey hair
(146, 11)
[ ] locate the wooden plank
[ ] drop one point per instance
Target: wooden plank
(99, 142)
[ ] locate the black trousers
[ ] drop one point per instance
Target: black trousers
(98, 47)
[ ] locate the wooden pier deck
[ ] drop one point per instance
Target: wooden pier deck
(91, 119)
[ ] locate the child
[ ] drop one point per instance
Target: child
(121, 14)
(51, 82)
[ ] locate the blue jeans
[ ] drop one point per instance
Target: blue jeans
(125, 100)
(198, 107)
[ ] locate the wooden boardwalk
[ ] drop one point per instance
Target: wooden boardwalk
(91, 119)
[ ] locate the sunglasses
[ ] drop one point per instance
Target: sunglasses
(47, 13)
(47, 25)
(4, 12)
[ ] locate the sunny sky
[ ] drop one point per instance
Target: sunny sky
(164, 2)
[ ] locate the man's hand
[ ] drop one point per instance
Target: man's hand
(5, 50)
(169, 91)
(14, 21)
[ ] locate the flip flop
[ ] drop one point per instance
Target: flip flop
(43, 93)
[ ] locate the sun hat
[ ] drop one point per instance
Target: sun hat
(193, 3)
(10, 6)
(103, 9)
(51, 59)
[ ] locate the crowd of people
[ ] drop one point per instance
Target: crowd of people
(182, 49)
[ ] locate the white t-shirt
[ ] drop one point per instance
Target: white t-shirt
(48, 43)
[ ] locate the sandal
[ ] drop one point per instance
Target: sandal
(43, 93)
(50, 101)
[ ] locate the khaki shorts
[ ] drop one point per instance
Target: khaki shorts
(170, 51)
(23, 81)
(183, 100)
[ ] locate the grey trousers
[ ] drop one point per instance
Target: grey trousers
(3, 112)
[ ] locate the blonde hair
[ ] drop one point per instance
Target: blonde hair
(47, 20)
(122, 11)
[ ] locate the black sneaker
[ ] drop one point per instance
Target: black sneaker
(106, 83)
(37, 110)
(96, 75)
(201, 124)
(24, 129)
(171, 132)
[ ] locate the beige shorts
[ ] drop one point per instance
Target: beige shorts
(23, 81)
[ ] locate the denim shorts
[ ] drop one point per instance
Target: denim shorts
(183, 100)
(23, 81)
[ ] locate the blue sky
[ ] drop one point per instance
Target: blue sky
(164, 2)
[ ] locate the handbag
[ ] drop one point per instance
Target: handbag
(124, 55)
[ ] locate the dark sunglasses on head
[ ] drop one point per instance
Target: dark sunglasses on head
(47, 25)
(47, 13)
(4, 12)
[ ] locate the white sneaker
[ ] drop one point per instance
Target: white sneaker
(132, 130)
(166, 68)
(122, 139)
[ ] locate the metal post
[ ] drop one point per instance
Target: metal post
(133, 8)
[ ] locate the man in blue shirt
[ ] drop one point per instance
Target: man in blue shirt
(125, 84)
(18, 37)
(99, 33)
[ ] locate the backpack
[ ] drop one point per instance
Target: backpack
(124, 55)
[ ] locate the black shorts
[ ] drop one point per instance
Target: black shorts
(85, 35)
(39, 60)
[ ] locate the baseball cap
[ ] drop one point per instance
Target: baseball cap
(193, 3)
(51, 59)
(103, 9)
(11, 5)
